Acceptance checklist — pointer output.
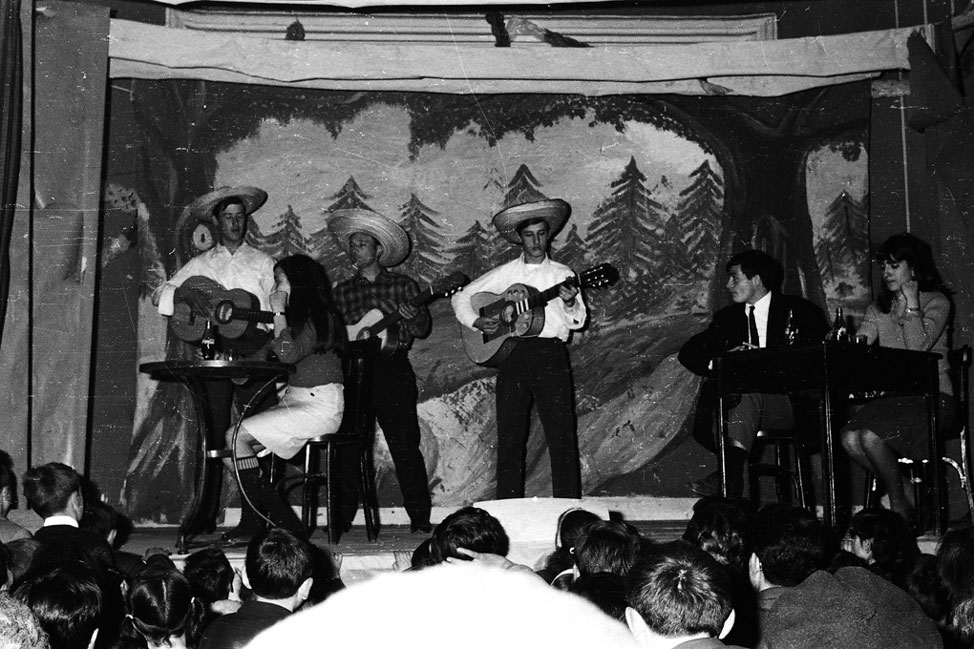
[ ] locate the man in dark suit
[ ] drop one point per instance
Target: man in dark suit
(760, 317)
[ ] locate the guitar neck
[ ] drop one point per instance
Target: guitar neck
(253, 315)
(542, 298)
(390, 319)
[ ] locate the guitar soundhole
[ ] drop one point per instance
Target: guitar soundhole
(223, 313)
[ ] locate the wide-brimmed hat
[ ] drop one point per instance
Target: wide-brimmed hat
(252, 197)
(555, 211)
(389, 234)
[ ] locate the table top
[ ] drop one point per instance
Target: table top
(215, 370)
(844, 366)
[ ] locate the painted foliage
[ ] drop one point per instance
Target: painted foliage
(664, 188)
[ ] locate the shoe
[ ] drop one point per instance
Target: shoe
(237, 537)
(710, 486)
(421, 526)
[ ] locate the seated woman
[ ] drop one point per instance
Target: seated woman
(307, 333)
(911, 312)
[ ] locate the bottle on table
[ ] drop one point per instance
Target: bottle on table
(840, 332)
(791, 329)
(208, 343)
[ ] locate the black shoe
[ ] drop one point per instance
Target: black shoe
(421, 526)
(238, 536)
(710, 486)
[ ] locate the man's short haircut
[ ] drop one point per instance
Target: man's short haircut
(471, 528)
(19, 628)
(67, 601)
(681, 591)
(210, 574)
(757, 262)
(48, 487)
(607, 546)
(99, 518)
(721, 528)
(278, 562)
(605, 590)
(21, 557)
(227, 202)
(528, 222)
(788, 542)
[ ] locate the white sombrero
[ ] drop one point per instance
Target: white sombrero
(555, 211)
(389, 234)
(252, 197)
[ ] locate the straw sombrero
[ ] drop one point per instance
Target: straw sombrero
(555, 211)
(390, 235)
(252, 197)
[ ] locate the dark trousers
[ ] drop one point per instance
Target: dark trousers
(757, 411)
(537, 372)
(394, 397)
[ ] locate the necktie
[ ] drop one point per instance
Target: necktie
(752, 327)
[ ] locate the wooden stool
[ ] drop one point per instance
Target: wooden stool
(788, 469)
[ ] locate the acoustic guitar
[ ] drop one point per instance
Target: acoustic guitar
(235, 312)
(521, 311)
(376, 323)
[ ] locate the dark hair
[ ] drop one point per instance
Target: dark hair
(67, 601)
(209, 573)
(922, 581)
(7, 477)
(227, 202)
(21, 557)
(160, 606)
(681, 591)
(421, 557)
(605, 590)
(721, 528)
(788, 542)
(891, 541)
(757, 262)
(48, 487)
(99, 518)
(310, 301)
(471, 528)
(528, 222)
(955, 557)
(607, 546)
(278, 562)
(918, 255)
(570, 526)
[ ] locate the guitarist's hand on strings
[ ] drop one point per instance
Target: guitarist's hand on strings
(488, 325)
(567, 293)
(408, 311)
(198, 302)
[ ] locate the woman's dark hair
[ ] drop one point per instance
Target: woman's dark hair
(310, 301)
(892, 542)
(569, 529)
(160, 606)
(955, 557)
(918, 255)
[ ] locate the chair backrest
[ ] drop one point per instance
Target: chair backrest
(357, 367)
(960, 366)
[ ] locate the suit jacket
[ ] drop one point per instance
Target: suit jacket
(237, 629)
(728, 329)
(62, 542)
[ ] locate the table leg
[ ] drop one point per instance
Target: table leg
(721, 431)
(936, 449)
(202, 472)
(828, 461)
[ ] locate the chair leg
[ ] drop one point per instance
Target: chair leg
(370, 503)
(331, 494)
(309, 488)
(800, 480)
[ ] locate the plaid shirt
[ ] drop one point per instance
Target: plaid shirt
(357, 296)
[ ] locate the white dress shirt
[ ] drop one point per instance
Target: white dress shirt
(761, 310)
(560, 319)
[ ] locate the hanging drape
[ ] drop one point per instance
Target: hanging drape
(11, 73)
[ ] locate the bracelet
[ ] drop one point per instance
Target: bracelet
(278, 313)
(913, 309)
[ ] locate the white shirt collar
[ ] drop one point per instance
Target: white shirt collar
(60, 519)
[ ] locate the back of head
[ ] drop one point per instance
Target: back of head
(956, 563)
(571, 524)
(48, 487)
(788, 542)
(757, 262)
(721, 528)
(277, 563)
(19, 628)
(7, 480)
(99, 519)
(922, 582)
(607, 546)
(681, 590)
(21, 556)
(605, 590)
(891, 541)
(67, 601)
(471, 528)
(161, 606)
(209, 573)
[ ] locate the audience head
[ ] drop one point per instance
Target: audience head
(607, 546)
(210, 574)
(956, 560)
(279, 566)
(160, 607)
(883, 539)
(21, 556)
(787, 546)
(757, 262)
(470, 528)
(54, 488)
(102, 520)
(68, 603)
(422, 555)
(605, 590)
(8, 484)
(19, 628)
(720, 527)
(326, 580)
(679, 592)
(922, 581)
(571, 523)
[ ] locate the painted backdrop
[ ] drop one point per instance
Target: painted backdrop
(664, 188)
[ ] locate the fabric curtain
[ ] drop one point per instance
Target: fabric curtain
(11, 73)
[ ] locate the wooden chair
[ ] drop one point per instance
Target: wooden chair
(789, 468)
(358, 431)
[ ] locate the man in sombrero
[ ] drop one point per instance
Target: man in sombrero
(233, 263)
(375, 244)
(537, 370)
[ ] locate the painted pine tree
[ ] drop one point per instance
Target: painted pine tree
(844, 243)
(698, 219)
(426, 260)
(471, 252)
(627, 230)
(283, 239)
(523, 188)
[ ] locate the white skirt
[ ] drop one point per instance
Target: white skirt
(300, 414)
